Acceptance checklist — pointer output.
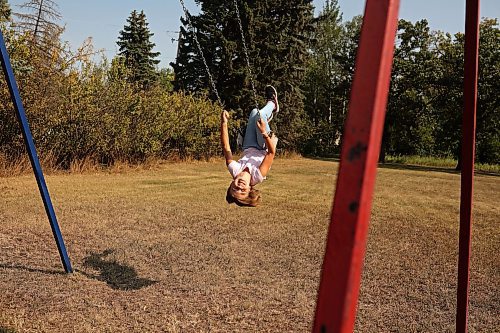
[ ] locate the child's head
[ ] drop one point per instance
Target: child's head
(246, 196)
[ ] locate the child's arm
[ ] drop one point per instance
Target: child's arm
(224, 138)
(271, 149)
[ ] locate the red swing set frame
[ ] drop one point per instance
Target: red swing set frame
(346, 241)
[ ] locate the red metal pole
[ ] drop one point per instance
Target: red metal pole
(346, 242)
(468, 149)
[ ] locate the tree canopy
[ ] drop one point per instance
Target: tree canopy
(277, 38)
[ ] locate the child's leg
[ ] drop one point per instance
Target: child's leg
(253, 137)
(266, 114)
(267, 111)
(250, 139)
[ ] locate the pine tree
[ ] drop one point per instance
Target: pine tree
(216, 31)
(136, 49)
(277, 40)
(282, 37)
(189, 68)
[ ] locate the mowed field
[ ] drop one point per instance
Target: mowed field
(159, 250)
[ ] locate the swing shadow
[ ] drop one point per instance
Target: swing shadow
(31, 270)
(116, 275)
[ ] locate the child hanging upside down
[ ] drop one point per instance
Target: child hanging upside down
(259, 148)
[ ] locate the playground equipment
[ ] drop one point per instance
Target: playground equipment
(30, 146)
(346, 242)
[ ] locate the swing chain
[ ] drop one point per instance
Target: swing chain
(212, 82)
(246, 55)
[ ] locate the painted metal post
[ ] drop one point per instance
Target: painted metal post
(346, 242)
(468, 150)
(30, 146)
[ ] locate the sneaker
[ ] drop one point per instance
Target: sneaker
(272, 95)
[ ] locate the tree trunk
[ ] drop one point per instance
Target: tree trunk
(38, 19)
(459, 164)
(381, 156)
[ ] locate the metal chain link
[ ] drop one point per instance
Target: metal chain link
(246, 55)
(186, 13)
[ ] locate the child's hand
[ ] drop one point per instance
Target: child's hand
(262, 126)
(224, 117)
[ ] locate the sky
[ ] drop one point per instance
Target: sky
(103, 19)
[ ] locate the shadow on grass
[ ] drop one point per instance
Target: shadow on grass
(117, 276)
(326, 159)
(32, 270)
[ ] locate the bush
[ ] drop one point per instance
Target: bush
(92, 113)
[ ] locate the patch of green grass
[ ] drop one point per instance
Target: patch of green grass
(423, 160)
(441, 162)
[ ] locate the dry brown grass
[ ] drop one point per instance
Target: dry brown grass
(159, 250)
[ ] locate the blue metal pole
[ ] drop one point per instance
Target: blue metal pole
(30, 146)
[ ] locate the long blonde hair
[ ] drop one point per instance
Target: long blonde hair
(252, 200)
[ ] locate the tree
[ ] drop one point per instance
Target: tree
(449, 99)
(165, 79)
(136, 49)
(347, 64)
(5, 11)
(409, 124)
(191, 75)
(323, 99)
(488, 103)
(41, 22)
(277, 39)
(448, 102)
(329, 78)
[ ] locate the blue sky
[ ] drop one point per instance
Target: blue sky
(103, 19)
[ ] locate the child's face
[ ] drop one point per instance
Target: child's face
(240, 186)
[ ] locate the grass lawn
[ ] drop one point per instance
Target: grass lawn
(160, 251)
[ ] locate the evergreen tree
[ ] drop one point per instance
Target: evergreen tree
(190, 72)
(283, 38)
(277, 39)
(136, 49)
(217, 32)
